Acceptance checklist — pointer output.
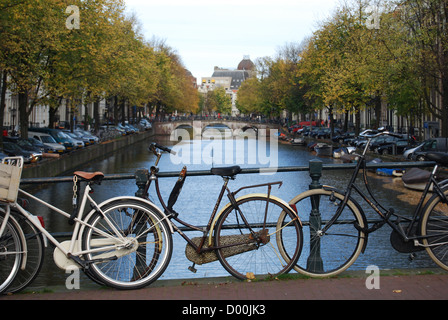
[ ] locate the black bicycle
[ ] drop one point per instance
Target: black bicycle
(254, 234)
(337, 228)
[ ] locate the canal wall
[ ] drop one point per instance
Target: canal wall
(73, 160)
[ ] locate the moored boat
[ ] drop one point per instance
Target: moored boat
(416, 179)
(311, 146)
(339, 152)
(349, 158)
(323, 149)
(389, 172)
(298, 142)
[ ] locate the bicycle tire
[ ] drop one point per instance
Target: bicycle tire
(259, 256)
(331, 253)
(434, 229)
(10, 253)
(35, 255)
(142, 262)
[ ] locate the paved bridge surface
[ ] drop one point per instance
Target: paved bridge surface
(199, 126)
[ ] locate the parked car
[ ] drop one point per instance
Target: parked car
(24, 144)
(82, 137)
(13, 150)
(127, 128)
(87, 135)
(344, 137)
(430, 145)
(77, 142)
(382, 140)
(323, 133)
(407, 154)
(145, 124)
(40, 145)
(310, 131)
(48, 141)
(400, 146)
(57, 135)
(359, 142)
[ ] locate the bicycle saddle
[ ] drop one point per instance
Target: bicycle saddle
(90, 176)
(226, 171)
(439, 157)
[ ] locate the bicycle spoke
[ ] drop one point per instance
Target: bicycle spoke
(144, 253)
(265, 256)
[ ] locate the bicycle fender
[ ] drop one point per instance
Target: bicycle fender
(144, 202)
(210, 236)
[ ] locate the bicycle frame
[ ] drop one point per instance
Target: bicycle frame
(213, 217)
(378, 208)
(72, 252)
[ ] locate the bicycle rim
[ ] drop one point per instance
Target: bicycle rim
(435, 230)
(146, 255)
(255, 251)
(328, 254)
(10, 254)
(34, 259)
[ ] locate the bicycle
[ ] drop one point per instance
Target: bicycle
(35, 244)
(337, 227)
(246, 235)
(123, 242)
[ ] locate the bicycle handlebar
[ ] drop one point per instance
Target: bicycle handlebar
(154, 145)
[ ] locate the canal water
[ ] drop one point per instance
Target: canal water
(199, 195)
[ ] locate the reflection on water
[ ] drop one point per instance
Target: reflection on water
(198, 197)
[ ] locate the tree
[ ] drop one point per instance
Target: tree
(249, 98)
(427, 21)
(30, 37)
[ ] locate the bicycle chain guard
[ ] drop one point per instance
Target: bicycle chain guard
(400, 245)
(245, 243)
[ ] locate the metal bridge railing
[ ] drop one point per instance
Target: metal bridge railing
(315, 168)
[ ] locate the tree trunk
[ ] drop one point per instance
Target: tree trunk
(52, 113)
(3, 104)
(23, 114)
(358, 121)
(116, 110)
(96, 114)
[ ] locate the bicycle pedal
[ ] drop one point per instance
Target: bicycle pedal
(412, 256)
(192, 269)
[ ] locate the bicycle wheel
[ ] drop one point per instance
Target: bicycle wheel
(10, 253)
(35, 255)
(328, 254)
(139, 257)
(250, 241)
(434, 229)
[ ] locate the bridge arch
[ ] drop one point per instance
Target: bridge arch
(186, 126)
(214, 128)
(166, 128)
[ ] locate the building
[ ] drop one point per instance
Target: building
(229, 79)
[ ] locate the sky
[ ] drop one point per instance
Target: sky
(209, 33)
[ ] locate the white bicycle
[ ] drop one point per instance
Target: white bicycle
(123, 242)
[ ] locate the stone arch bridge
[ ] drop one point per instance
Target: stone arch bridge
(199, 126)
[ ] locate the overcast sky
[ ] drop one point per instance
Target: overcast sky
(208, 33)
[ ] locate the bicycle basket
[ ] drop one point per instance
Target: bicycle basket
(10, 173)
